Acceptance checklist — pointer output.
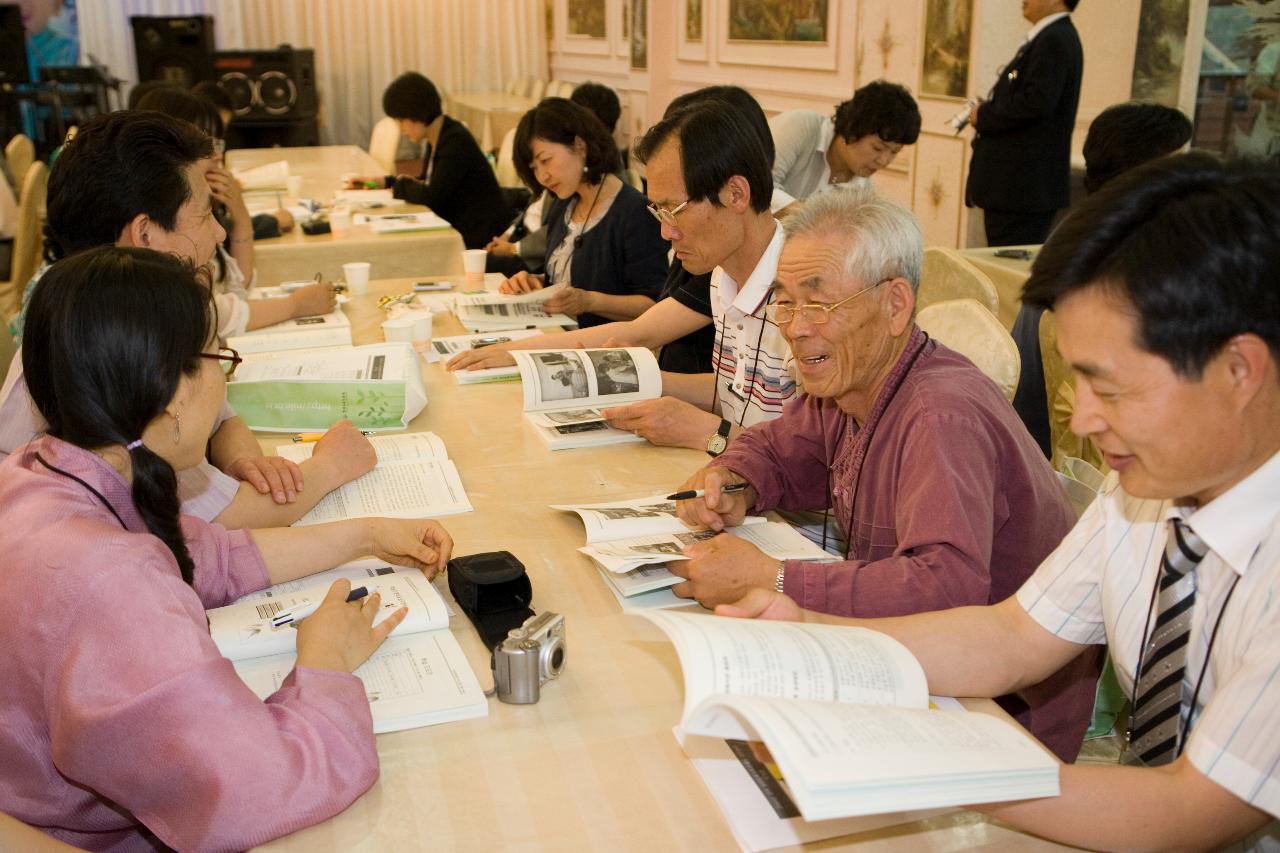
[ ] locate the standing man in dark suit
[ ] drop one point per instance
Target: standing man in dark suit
(1021, 169)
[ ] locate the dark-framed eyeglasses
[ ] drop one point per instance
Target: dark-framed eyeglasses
(227, 358)
(665, 216)
(815, 313)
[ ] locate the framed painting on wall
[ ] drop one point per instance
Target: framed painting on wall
(1157, 60)
(586, 26)
(944, 73)
(640, 35)
(691, 34)
(781, 33)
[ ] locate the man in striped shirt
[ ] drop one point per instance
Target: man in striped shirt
(1167, 309)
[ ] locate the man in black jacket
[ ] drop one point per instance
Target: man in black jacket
(1021, 168)
(457, 182)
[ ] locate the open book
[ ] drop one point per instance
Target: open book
(378, 386)
(268, 176)
(418, 677)
(443, 349)
(395, 223)
(565, 391)
(414, 478)
(322, 330)
(844, 713)
(633, 566)
(490, 311)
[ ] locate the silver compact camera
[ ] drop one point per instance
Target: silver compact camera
(530, 655)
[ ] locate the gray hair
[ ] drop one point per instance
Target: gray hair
(883, 238)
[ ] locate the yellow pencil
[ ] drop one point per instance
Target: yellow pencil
(316, 436)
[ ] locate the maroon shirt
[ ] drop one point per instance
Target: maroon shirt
(945, 501)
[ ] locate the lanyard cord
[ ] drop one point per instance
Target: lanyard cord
(755, 360)
(871, 434)
(97, 494)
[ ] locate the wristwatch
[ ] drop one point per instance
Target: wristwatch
(719, 440)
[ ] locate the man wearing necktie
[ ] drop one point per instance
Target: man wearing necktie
(1163, 286)
(1020, 174)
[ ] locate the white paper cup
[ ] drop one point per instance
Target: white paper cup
(421, 327)
(473, 261)
(339, 221)
(294, 184)
(357, 277)
(398, 329)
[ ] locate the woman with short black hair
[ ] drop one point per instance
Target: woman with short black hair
(601, 241)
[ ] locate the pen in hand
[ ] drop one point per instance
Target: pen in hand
(296, 614)
(697, 493)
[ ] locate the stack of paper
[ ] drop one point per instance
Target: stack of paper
(414, 478)
(268, 176)
(395, 223)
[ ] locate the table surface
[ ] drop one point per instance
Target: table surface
(489, 115)
(1007, 274)
(594, 764)
(296, 255)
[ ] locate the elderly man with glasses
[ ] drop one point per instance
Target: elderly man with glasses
(943, 496)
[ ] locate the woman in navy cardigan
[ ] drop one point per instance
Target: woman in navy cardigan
(601, 241)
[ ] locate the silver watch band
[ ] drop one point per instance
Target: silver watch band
(777, 582)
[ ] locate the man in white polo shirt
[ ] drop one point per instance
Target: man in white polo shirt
(1163, 285)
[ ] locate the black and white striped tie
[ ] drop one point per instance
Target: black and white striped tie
(1156, 725)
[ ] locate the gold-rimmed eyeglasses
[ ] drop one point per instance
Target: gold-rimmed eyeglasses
(815, 313)
(227, 358)
(668, 217)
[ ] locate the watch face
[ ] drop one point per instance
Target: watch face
(717, 444)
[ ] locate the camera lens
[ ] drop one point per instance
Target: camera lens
(552, 658)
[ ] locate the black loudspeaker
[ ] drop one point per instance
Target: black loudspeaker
(178, 51)
(268, 85)
(13, 46)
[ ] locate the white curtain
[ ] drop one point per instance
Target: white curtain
(360, 45)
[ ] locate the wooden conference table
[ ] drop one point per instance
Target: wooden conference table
(489, 115)
(593, 765)
(296, 255)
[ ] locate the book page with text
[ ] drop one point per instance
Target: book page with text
(391, 449)
(414, 489)
(648, 516)
(791, 660)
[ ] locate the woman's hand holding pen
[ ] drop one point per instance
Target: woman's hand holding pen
(313, 300)
(340, 636)
(420, 543)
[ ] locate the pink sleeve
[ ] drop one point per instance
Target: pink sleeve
(144, 711)
(228, 562)
(948, 496)
(786, 459)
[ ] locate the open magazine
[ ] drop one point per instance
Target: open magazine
(490, 311)
(414, 478)
(845, 715)
(417, 677)
(322, 330)
(565, 392)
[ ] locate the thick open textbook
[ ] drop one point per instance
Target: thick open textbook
(443, 349)
(565, 392)
(844, 713)
(322, 330)
(378, 386)
(414, 478)
(418, 677)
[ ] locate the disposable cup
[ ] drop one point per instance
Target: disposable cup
(339, 221)
(473, 261)
(357, 277)
(398, 329)
(294, 184)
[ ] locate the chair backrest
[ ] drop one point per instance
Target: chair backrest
(20, 154)
(535, 89)
(505, 166)
(26, 239)
(559, 89)
(946, 275)
(1060, 391)
(383, 143)
(971, 330)
(517, 85)
(632, 177)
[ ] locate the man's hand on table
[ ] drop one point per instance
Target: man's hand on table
(666, 422)
(715, 510)
(723, 570)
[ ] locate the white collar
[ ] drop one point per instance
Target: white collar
(825, 137)
(1044, 23)
(1234, 524)
(748, 298)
